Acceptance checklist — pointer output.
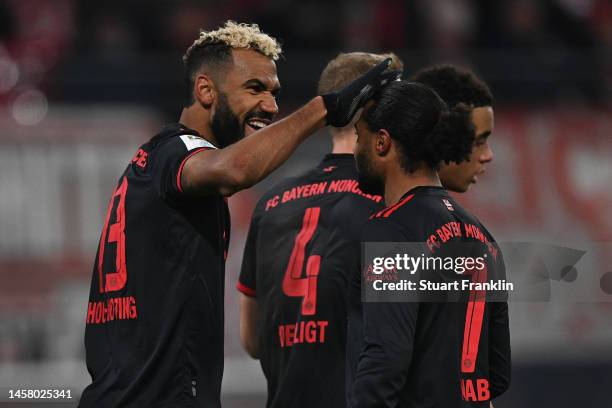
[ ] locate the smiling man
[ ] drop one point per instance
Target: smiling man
(154, 322)
(459, 85)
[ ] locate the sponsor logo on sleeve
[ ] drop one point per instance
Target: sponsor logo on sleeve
(193, 142)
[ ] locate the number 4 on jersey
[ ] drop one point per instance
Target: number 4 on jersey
(293, 283)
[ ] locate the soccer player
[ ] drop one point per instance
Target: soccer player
(154, 323)
(425, 353)
(458, 85)
(293, 279)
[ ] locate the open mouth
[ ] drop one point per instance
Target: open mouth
(257, 124)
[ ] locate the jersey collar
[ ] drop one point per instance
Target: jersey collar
(338, 157)
(423, 189)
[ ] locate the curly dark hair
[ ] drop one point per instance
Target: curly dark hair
(455, 85)
(419, 120)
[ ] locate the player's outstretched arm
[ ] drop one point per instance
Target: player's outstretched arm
(241, 165)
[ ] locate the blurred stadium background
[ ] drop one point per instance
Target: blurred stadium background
(83, 83)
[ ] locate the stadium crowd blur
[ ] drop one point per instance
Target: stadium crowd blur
(536, 51)
(124, 56)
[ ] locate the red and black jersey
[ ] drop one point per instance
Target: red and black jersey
(154, 324)
(295, 264)
(431, 353)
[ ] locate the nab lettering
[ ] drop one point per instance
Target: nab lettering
(479, 393)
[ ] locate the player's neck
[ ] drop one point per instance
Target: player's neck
(343, 141)
(398, 182)
(192, 117)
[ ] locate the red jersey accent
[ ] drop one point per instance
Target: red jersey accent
(245, 289)
(180, 170)
(114, 233)
(473, 323)
(395, 207)
(293, 283)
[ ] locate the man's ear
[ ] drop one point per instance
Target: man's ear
(204, 90)
(382, 142)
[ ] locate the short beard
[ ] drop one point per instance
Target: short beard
(225, 125)
(369, 181)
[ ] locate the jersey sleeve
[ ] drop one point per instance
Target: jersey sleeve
(248, 273)
(389, 332)
(499, 342)
(169, 160)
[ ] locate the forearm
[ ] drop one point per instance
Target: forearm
(263, 152)
(248, 161)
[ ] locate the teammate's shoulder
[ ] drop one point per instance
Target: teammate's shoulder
(306, 177)
(421, 206)
(350, 204)
(337, 165)
(288, 183)
(276, 190)
(476, 221)
(393, 211)
(467, 216)
(384, 229)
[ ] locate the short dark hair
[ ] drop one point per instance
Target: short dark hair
(419, 120)
(216, 57)
(455, 85)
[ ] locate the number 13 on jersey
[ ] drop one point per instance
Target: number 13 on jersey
(114, 233)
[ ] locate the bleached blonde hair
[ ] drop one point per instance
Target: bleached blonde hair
(238, 35)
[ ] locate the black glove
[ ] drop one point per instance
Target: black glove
(342, 105)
